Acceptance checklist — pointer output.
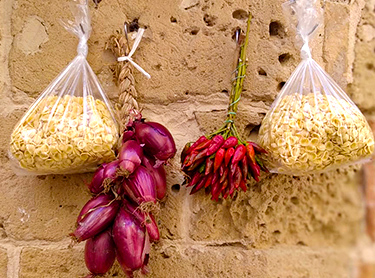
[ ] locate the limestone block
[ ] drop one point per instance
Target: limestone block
(235, 261)
(57, 263)
(362, 88)
(3, 262)
(284, 210)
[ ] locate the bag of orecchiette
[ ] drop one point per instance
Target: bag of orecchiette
(71, 127)
(312, 125)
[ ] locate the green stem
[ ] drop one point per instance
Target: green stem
(229, 128)
(238, 84)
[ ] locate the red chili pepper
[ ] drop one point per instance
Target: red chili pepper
(196, 164)
(198, 186)
(230, 142)
(203, 145)
(237, 178)
(233, 169)
(191, 159)
(261, 165)
(195, 179)
(209, 180)
(239, 153)
(215, 191)
(216, 143)
(243, 185)
(225, 192)
(255, 170)
(196, 143)
(224, 175)
(257, 148)
(244, 167)
(222, 169)
(215, 178)
(228, 155)
(224, 184)
(209, 164)
(200, 155)
(184, 152)
(219, 157)
(250, 153)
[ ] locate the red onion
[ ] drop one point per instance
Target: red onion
(141, 186)
(110, 172)
(100, 200)
(146, 219)
(159, 176)
(130, 157)
(96, 185)
(100, 252)
(127, 135)
(157, 139)
(94, 217)
(131, 240)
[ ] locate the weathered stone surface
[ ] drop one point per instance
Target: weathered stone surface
(56, 263)
(3, 262)
(227, 261)
(283, 209)
(42, 207)
(361, 90)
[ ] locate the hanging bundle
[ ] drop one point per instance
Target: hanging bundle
(71, 127)
(313, 125)
(118, 222)
(221, 162)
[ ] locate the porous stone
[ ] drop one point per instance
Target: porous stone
(56, 263)
(285, 210)
(3, 262)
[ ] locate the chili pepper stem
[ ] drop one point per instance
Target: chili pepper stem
(229, 128)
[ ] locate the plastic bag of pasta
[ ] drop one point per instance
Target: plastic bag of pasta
(71, 127)
(313, 125)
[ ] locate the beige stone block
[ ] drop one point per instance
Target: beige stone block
(236, 261)
(48, 263)
(3, 263)
(312, 210)
(340, 21)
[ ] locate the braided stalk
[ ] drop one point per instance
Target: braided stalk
(127, 105)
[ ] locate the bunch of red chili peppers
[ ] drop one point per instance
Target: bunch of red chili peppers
(221, 162)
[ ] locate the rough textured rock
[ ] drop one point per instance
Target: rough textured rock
(57, 263)
(283, 209)
(362, 88)
(3, 262)
(282, 227)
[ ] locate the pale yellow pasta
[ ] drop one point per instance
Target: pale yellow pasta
(326, 131)
(60, 135)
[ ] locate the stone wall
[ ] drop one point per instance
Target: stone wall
(315, 226)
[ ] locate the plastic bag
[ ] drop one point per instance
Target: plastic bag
(71, 127)
(313, 125)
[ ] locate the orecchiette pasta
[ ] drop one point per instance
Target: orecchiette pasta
(326, 132)
(64, 135)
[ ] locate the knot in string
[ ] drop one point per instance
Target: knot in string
(129, 56)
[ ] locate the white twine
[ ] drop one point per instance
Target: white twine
(129, 56)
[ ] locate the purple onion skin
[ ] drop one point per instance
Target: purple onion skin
(159, 176)
(100, 200)
(127, 135)
(146, 219)
(131, 241)
(95, 221)
(130, 157)
(141, 186)
(100, 252)
(110, 171)
(96, 185)
(157, 139)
